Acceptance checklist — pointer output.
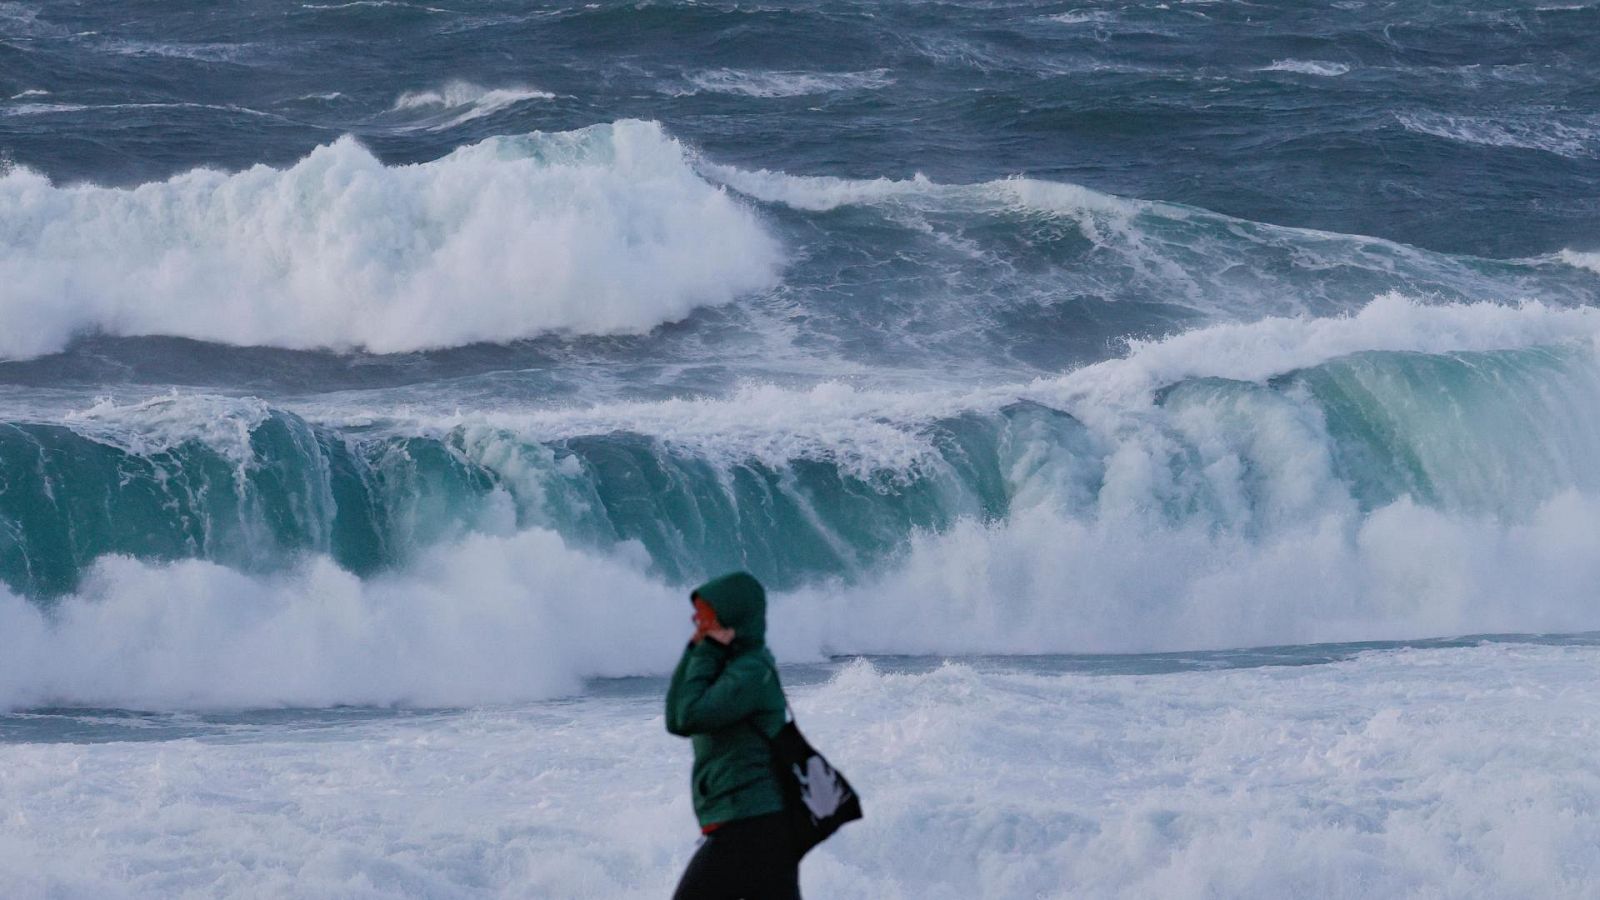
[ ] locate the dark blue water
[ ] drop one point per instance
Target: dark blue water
(1176, 101)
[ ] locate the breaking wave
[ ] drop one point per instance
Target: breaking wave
(596, 231)
(1410, 470)
(1581, 260)
(617, 229)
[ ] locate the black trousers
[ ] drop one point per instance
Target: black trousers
(746, 859)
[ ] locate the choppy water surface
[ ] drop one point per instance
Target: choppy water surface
(376, 376)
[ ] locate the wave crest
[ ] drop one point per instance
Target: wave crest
(1410, 471)
(599, 231)
(1580, 259)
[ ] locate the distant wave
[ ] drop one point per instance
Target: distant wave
(1308, 67)
(458, 102)
(1214, 264)
(784, 84)
(602, 230)
(1578, 139)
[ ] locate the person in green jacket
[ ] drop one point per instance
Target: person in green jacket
(726, 698)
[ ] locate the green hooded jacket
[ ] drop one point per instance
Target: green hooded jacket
(717, 694)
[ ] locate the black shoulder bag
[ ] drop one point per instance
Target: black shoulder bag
(817, 799)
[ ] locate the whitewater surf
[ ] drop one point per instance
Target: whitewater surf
(1165, 430)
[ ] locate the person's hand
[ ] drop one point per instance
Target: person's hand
(723, 636)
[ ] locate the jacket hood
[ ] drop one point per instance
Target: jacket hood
(741, 604)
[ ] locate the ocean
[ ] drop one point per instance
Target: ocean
(1166, 432)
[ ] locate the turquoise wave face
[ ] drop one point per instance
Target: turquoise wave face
(371, 502)
(70, 498)
(1469, 433)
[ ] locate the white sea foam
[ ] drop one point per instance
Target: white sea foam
(784, 84)
(1578, 138)
(1047, 583)
(818, 193)
(161, 424)
(602, 230)
(458, 102)
(861, 430)
(490, 619)
(524, 616)
(1323, 68)
(822, 193)
(1256, 351)
(1370, 777)
(1581, 259)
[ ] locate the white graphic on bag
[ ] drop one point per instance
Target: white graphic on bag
(819, 787)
